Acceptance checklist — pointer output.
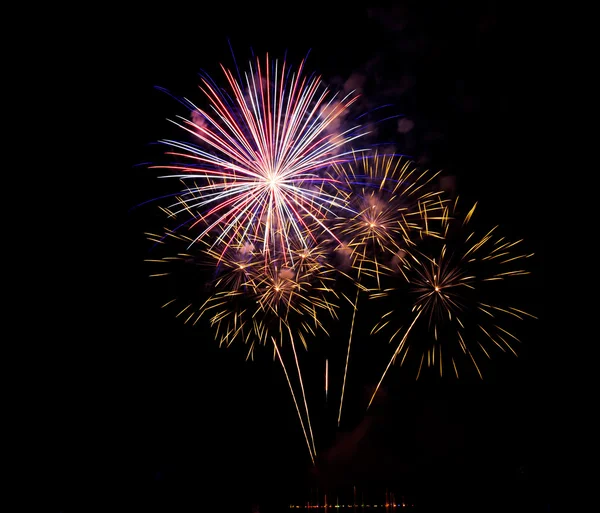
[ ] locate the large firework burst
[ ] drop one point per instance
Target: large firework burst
(257, 162)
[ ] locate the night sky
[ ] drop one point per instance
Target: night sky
(155, 417)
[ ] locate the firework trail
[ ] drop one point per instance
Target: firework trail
(257, 166)
(453, 288)
(311, 448)
(394, 205)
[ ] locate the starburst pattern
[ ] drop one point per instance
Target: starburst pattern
(257, 166)
(394, 206)
(455, 289)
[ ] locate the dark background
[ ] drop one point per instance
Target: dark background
(147, 414)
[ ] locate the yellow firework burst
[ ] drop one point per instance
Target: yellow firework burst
(250, 295)
(394, 205)
(448, 307)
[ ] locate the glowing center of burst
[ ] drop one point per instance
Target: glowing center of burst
(273, 180)
(436, 288)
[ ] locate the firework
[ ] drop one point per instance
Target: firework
(251, 298)
(393, 205)
(274, 201)
(449, 301)
(254, 298)
(256, 166)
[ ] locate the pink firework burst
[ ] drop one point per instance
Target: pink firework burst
(259, 164)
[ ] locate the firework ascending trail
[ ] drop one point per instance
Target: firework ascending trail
(454, 289)
(311, 447)
(257, 166)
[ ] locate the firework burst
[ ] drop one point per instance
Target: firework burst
(449, 301)
(257, 164)
(250, 298)
(394, 205)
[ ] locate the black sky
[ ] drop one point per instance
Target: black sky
(163, 417)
